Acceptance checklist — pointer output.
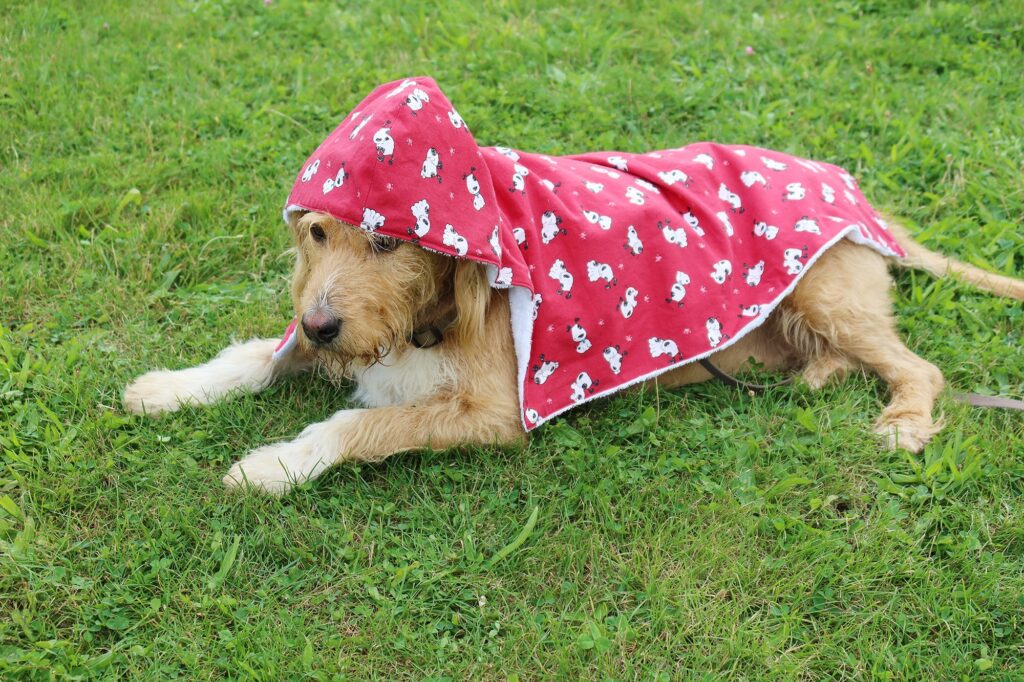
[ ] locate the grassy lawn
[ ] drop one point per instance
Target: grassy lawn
(145, 153)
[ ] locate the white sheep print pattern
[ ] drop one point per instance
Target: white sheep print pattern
(633, 263)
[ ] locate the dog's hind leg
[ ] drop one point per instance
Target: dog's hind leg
(245, 367)
(843, 302)
(825, 367)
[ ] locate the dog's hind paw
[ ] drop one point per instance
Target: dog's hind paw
(906, 434)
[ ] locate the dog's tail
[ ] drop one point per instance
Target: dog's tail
(920, 258)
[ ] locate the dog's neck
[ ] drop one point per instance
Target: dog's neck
(430, 331)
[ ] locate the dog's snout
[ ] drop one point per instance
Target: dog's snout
(321, 327)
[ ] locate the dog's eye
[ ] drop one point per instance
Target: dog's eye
(318, 234)
(383, 244)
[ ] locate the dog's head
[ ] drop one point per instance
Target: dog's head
(359, 295)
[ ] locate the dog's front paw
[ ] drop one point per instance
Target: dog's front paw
(156, 392)
(273, 469)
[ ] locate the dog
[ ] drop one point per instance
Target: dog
(418, 317)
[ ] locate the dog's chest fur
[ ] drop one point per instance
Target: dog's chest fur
(403, 376)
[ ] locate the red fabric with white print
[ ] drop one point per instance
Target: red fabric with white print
(635, 263)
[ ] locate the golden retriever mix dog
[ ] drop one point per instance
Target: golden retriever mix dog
(362, 297)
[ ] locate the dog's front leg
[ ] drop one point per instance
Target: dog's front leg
(370, 435)
(247, 367)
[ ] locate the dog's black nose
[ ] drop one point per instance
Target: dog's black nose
(321, 328)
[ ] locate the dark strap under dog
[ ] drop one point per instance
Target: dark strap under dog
(974, 399)
(755, 389)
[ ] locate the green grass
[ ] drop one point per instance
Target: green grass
(145, 153)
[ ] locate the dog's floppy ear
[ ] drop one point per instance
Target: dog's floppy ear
(472, 295)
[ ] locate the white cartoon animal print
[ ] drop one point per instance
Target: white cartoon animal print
(812, 166)
(421, 211)
(722, 270)
(531, 415)
(355, 131)
(455, 240)
(549, 226)
(473, 186)
(416, 100)
(659, 347)
(806, 224)
(519, 234)
(551, 186)
(519, 179)
(794, 192)
(431, 165)
(751, 178)
(562, 276)
(635, 196)
(537, 300)
(600, 271)
(848, 180)
(705, 160)
(723, 218)
(594, 187)
(407, 83)
(633, 243)
(714, 328)
(583, 385)
(791, 260)
(763, 229)
(772, 164)
(613, 356)
(606, 171)
(495, 242)
(508, 153)
(385, 144)
(579, 336)
(310, 171)
(627, 304)
(730, 197)
(753, 273)
(671, 177)
(371, 220)
(673, 235)
(456, 120)
(643, 184)
(618, 162)
(678, 290)
(337, 181)
(694, 224)
(849, 197)
(750, 310)
(543, 371)
(828, 195)
(594, 218)
(503, 279)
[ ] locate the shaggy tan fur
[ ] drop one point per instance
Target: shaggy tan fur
(839, 318)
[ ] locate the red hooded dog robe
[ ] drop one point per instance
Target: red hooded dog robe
(620, 266)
